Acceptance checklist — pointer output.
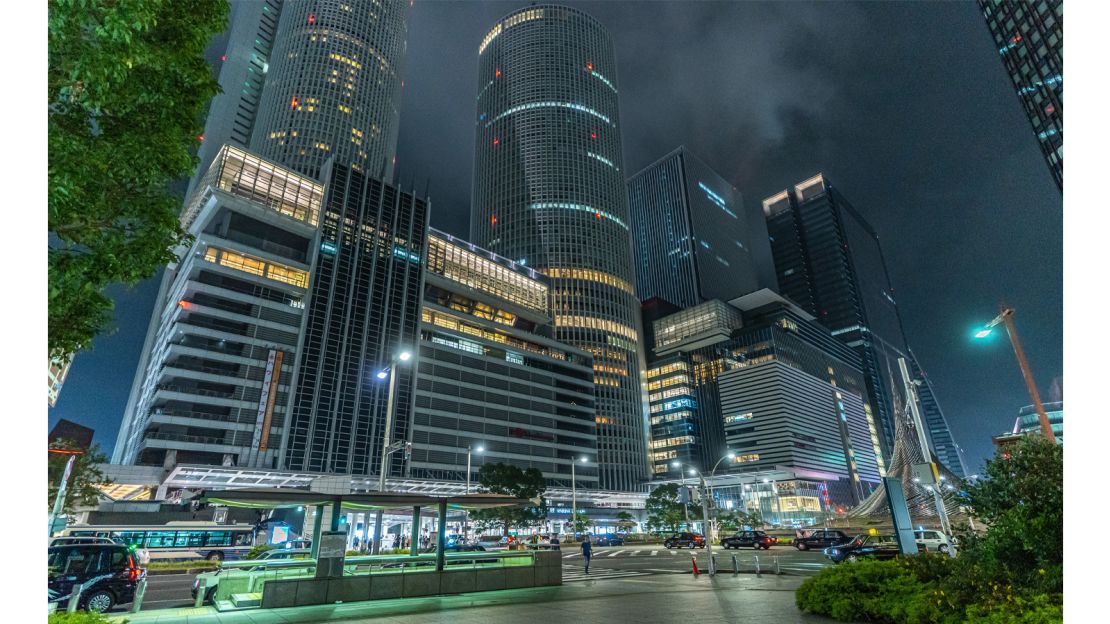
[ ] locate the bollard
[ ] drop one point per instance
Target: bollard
(694, 561)
(734, 570)
(777, 569)
(140, 591)
(202, 589)
(74, 597)
(757, 570)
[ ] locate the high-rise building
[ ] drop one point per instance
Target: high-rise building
(759, 378)
(1029, 423)
(1030, 39)
(490, 378)
(56, 376)
(243, 65)
(938, 433)
(363, 311)
(69, 430)
(215, 383)
(691, 234)
(828, 260)
(549, 194)
(333, 87)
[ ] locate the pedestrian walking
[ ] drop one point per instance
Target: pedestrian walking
(586, 552)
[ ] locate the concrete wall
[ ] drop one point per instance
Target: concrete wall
(548, 570)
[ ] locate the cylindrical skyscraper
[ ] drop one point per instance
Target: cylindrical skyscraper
(549, 194)
(333, 86)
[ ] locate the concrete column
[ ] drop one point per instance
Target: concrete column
(335, 515)
(441, 536)
(317, 528)
(415, 541)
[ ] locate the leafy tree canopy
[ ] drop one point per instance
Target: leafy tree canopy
(1021, 500)
(80, 488)
(625, 520)
(581, 522)
(663, 509)
(513, 481)
(127, 88)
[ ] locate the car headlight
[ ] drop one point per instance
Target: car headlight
(835, 551)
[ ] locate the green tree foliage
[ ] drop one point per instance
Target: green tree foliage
(625, 521)
(507, 479)
(663, 509)
(581, 522)
(1021, 499)
(80, 488)
(127, 88)
(82, 617)
(1012, 574)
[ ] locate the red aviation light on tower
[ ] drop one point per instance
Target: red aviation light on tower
(185, 305)
(495, 141)
(598, 215)
(493, 220)
(593, 135)
(293, 104)
(589, 66)
(497, 72)
(311, 18)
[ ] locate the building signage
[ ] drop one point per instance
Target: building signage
(266, 402)
(534, 435)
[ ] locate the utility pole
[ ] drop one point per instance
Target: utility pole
(60, 498)
(708, 532)
(1007, 317)
(930, 479)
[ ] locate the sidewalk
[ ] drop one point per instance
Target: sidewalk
(642, 599)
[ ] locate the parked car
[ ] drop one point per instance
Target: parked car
(109, 570)
(609, 540)
(297, 544)
(212, 579)
(753, 539)
(821, 538)
(685, 540)
(870, 546)
(931, 541)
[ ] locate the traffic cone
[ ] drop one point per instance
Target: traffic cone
(694, 560)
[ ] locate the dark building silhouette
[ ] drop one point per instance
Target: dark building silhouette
(69, 430)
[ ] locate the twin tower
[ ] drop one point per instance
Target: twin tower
(314, 87)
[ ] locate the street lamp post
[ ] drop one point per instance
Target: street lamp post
(466, 516)
(387, 442)
(1007, 317)
(574, 498)
(705, 513)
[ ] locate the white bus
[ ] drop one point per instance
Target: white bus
(176, 541)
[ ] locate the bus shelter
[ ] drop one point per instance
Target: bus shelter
(387, 502)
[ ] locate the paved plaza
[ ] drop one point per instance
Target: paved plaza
(642, 599)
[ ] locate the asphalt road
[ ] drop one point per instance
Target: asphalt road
(167, 591)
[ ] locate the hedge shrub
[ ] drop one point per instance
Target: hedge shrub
(81, 617)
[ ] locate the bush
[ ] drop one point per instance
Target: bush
(81, 617)
(255, 552)
(874, 591)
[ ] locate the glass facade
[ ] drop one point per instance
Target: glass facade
(1029, 422)
(710, 318)
(333, 86)
(493, 379)
(549, 194)
(829, 261)
(245, 175)
(939, 435)
(1030, 39)
(691, 233)
(364, 309)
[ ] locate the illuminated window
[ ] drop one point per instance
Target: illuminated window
(592, 276)
(750, 457)
(669, 393)
(257, 266)
(589, 322)
(677, 441)
(600, 214)
(738, 418)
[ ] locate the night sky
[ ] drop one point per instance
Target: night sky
(905, 107)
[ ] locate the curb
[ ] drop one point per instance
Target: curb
(173, 572)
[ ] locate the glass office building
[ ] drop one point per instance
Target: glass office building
(491, 382)
(828, 261)
(940, 436)
(1030, 39)
(691, 233)
(333, 86)
(549, 194)
(363, 311)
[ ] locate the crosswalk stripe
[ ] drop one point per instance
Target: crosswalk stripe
(654, 553)
(569, 556)
(578, 573)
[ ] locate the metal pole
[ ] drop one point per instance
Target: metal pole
(915, 411)
(317, 528)
(466, 512)
(137, 602)
(1046, 427)
(467, 468)
(705, 515)
(383, 469)
(441, 538)
(573, 503)
(60, 498)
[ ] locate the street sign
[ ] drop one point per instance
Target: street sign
(333, 548)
